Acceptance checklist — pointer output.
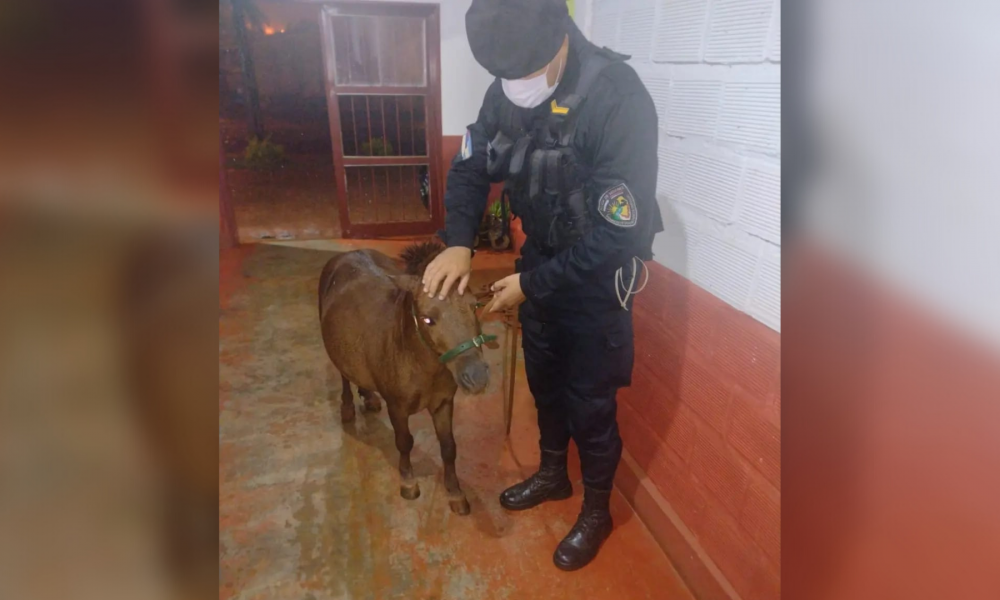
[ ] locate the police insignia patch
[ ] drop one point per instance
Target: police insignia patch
(617, 206)
(466, 150)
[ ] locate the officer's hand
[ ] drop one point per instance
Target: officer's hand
(453, 264)
(507, 293)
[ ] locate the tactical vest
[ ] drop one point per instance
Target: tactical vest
(543, 176)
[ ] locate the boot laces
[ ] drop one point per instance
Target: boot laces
(547, 476)
(590, 519)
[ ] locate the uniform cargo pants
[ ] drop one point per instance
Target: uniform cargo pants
(575, 366)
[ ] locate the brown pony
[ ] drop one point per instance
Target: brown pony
(385, 335)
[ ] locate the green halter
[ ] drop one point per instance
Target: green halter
(450, 355)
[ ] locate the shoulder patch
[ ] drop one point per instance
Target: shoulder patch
(466, 151)
(617, 206)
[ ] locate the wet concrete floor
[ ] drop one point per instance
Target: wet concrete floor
(310, 508)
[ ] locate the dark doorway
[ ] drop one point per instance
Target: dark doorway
(282, 184)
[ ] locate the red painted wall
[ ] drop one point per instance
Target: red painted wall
(702, 419)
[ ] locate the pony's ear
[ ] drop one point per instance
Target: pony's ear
(407, 299)
(408, 283)
(407, 287)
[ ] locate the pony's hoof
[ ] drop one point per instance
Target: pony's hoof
(347, 414)
(374, 405)
(460, 507)
(410, 492)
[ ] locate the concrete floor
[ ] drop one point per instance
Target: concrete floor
(310, 508)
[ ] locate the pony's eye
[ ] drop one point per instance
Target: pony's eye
(428, 320)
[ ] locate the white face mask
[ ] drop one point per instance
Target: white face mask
(529, 93)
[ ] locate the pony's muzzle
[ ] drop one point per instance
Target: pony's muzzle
(474, 376)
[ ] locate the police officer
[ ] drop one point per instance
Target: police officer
(572, 132)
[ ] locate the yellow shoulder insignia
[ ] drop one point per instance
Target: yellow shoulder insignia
(559, 110)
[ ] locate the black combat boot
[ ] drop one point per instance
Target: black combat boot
(551, 482)
(593, 526)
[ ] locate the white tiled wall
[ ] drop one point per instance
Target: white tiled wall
(713, 69)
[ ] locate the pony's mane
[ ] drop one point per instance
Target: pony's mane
(417, 256)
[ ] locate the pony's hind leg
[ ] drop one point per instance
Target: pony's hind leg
(372, 402)
(346, 401)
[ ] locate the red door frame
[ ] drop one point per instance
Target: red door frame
(228, 236)
(432, 107)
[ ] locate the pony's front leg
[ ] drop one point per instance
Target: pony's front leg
(408, 487)
(442, 425)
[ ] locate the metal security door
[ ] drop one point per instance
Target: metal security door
(382, 66)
